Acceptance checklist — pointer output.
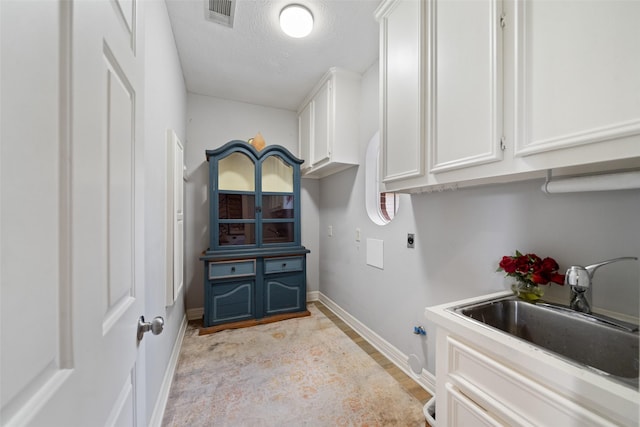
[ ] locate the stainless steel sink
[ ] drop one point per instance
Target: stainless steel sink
(608, 345)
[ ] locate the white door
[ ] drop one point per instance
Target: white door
(73, 289)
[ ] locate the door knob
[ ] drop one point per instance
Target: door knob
(155, 326)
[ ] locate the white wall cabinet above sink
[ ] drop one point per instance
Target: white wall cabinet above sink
(575, 81)
(505, 90)
(402, 84)
(328, 124)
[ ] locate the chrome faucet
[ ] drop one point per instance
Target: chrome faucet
(579, 278)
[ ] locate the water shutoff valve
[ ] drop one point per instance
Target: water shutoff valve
(419, 330)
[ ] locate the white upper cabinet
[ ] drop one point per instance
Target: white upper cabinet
(328, 124)
(304, 135)
(465, 120)
(402, 83)
(321, 148)
(497, 90)
(577, 78)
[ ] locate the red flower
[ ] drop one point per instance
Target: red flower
(549, 264)
(522, 264)
(531, 268)
(557, 278)
(508, 264)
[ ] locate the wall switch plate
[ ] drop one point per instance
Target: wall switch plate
(357, 234)
(330, 231)
(411, 240)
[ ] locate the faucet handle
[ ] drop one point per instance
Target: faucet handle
(577, 276)
(580, 276)
(592, 268)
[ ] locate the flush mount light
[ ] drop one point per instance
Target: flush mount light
(296, 21)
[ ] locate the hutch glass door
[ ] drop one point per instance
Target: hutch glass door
(236, 200)
(278, 201)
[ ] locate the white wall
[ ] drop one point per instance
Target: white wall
(165, 108)
(212, 122)
(460, 238)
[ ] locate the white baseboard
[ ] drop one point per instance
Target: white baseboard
(313, 296)
(195, 313)
(426, 380)
(165, 387)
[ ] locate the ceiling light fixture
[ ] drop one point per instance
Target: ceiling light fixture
(296, 21)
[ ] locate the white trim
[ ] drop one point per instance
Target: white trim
(195, 313)
(426, 379)
(169, 373)
(526, 146)
(39, 392)
(313, 296)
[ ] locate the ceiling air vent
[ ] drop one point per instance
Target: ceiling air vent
(221, 11)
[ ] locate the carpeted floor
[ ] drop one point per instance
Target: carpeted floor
(298, 372)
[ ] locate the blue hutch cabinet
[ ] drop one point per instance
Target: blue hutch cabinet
(255, 267)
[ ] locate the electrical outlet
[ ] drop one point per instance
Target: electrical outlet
(411, 241)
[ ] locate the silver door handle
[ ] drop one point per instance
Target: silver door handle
(155, 326)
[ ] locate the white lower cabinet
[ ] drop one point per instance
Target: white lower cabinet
(485, 377)
(478, 385)
(462, 411)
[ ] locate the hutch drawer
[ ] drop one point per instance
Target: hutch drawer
(283, 265)
(230, 269)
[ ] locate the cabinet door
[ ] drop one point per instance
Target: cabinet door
(305, 135)
(321, 146)
(229, 302)
(233, 201)
(466, 100)
(462, 411)
(578, 75)
(277, 202)
(402, 73)
(284, 293)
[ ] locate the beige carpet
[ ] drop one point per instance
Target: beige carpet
(298, 372)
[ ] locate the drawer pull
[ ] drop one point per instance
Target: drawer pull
(284, 265)
(233, 269)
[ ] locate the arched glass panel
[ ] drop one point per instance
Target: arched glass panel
(277, 175)
(236, 172)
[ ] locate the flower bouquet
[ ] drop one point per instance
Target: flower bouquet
(530, 271)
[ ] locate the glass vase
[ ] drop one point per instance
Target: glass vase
(527, 291)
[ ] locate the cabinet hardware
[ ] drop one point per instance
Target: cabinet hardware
(502, 144)
(503, 20)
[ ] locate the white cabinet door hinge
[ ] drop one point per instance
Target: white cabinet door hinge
(503, 146)
(503, 20)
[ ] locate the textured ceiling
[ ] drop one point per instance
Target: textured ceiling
(256, 62)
